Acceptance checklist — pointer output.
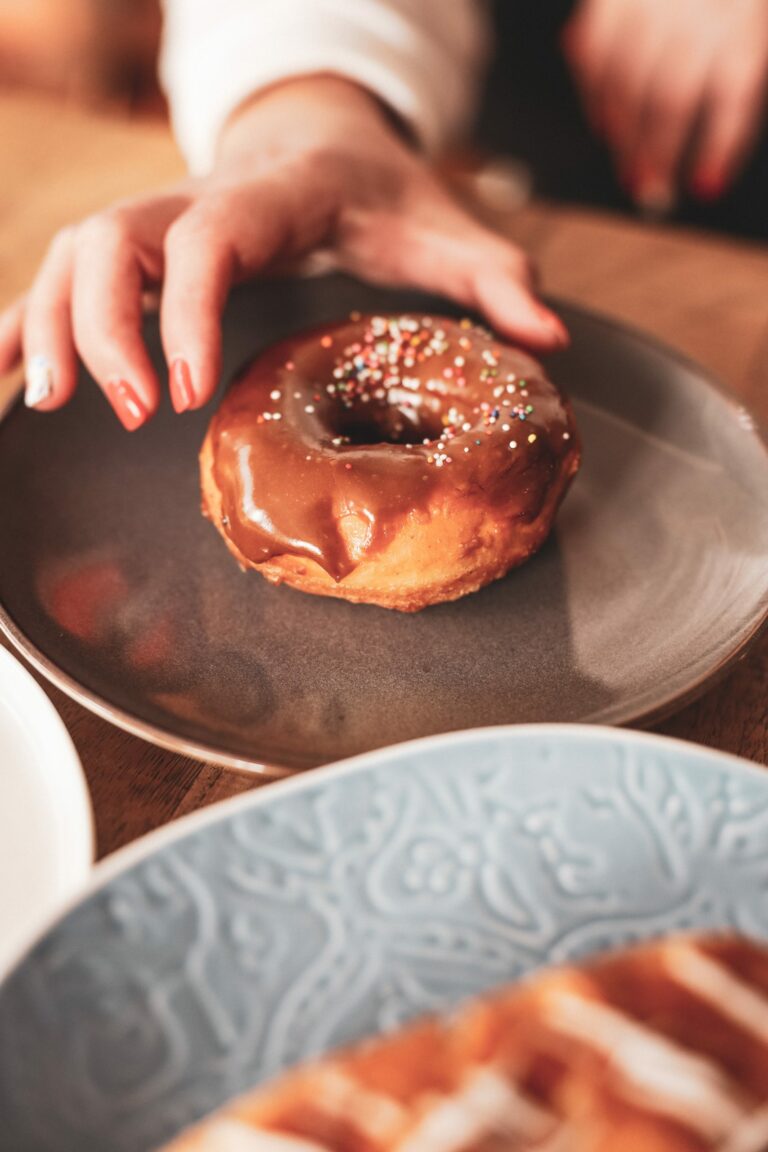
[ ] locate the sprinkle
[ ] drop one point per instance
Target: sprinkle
(309, 408)
(529, 408)
(275, 394)
(566, 435)
(513, 443)
(505, 427)
(532, 438)
(289, 365)
(478, 441)
(347, 466)
(326, 342)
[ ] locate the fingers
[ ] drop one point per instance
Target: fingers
(200, 264)
(677, 89)
(730, 126)
(86, 299)
(643, 94)
(49, 354)
(434, 245)
(671, 114)
(589, 42)
(505, 297)
(107, 314)
(497, 279)
(11, 320)
(230, 234)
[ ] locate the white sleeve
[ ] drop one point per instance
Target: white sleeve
(422, 58)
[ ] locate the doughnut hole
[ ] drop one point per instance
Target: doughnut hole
(401, 418)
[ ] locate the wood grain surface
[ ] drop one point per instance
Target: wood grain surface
(706, 296)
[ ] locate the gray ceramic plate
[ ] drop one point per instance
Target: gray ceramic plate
(335, 905)
(657, 575)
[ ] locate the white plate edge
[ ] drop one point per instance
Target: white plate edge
(80, 846)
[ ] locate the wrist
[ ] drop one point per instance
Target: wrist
(301, 114)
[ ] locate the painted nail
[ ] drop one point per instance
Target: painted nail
(560, 331)
(556, 327)
(129, 408)
(39, 376)
(180, 384)
(707, 186)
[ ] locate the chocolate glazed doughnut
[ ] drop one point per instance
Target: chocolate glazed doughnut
(391, 460)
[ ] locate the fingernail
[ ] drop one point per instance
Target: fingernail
(129, 408)
(707, 186)
(556, 327)
(39, 381)
(560, 331)
(180, 384)
(654, 195)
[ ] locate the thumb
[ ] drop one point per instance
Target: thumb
(432, 243)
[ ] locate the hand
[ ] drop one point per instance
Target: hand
(313, 163)
(677, 88)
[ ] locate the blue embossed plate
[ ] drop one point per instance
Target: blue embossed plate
(293, 919)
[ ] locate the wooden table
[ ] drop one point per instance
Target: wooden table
(709, 297)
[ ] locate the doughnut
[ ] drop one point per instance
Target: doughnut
(393, 460)
(659, 1048)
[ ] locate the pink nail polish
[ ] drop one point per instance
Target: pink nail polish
(180, 385)
(130, 410)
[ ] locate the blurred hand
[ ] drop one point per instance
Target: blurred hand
(676, 87)
(314, 163)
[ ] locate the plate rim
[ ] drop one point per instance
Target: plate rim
(207, 753)
(81, 845)
(131, 855)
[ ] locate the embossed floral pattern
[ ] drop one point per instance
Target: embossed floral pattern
(302, 919)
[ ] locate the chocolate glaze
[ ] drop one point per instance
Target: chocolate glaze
(374, 417)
